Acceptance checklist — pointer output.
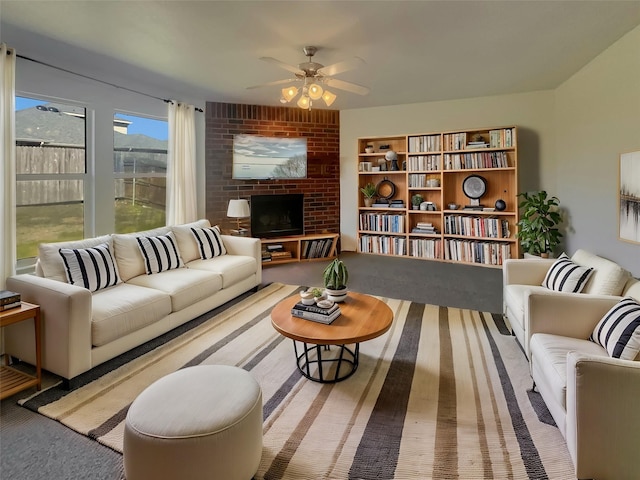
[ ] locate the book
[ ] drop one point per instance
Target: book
(316, 317)
(7, 297)
(274, 247)
(316, 309)
(8, 306)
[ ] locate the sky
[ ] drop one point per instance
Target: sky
(146, 126)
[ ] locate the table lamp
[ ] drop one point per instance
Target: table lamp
(239, 209)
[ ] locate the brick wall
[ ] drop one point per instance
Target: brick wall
(321, 188)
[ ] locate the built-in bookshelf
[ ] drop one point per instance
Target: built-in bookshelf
(299, 248)
(446, 224)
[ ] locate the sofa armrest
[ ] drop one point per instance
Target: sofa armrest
(249, 246)
(525, 271)
(567, 314)
(66, 325)
(603, 420)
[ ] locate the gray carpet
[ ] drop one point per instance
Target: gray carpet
(33, 447)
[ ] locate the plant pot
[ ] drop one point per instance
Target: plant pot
(338, 295)
(368, 201)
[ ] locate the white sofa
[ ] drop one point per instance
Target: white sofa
(591, 396)
(522, 277)
(82, 329)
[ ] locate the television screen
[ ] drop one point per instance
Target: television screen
(256, 157)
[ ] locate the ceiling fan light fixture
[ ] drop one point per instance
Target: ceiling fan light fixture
(328, 97)
(315, 91)
(304, 102)
(289, 93)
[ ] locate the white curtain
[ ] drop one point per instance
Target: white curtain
(181, 171)
(8, 172)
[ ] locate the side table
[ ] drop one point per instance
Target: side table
(12, 380)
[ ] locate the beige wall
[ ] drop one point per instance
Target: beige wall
(531, 112)
(597, 117)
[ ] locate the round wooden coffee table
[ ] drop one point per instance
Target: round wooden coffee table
(362, 318)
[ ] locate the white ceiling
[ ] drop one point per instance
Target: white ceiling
(415, 51)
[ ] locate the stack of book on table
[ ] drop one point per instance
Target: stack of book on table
(277, 252)
(315, 313)
(9, 300)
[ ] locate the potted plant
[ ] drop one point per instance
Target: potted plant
(369, 191)
(538, 227)
(335, 278)
(416, 200)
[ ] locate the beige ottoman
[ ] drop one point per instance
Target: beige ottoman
(202, 422)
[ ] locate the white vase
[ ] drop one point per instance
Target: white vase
(336, 295)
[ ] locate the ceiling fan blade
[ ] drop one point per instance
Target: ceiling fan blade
(277, 82)
(340, 67)
(348, 86)
(280, 64)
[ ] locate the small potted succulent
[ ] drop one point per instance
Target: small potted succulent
(335, 278)
(369, 191)
(416, 200)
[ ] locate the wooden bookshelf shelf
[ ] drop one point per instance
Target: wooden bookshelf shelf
(299, 248)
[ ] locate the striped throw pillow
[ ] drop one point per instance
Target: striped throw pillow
(619, 330)
(92, 268)
(209, 242)
(566, 276)
(159, 253)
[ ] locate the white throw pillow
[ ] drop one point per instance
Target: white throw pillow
(209, 242)
(619, 330)
(160, 253)
(92, 268)
(566, 276)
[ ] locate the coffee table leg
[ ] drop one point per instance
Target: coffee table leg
(346, 356)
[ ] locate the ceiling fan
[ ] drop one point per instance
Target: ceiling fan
(313, 76)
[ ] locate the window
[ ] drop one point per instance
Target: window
(140, 172)
(51, 170)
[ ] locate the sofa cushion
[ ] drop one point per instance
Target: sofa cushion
(549, 354)
(128, 257)
(185, 286)
(50, 261)
(232, 268)
(209, 242)
(186, 243)
(160, 253)
(566, 276)
(125, 308)
(619, 330)
(92, 268)
(608, 277)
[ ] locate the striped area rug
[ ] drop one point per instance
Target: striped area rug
(442, 395)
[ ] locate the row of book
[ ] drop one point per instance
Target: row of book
(462, 161)
(502, 138)
(315, 313)
(423, 248)
(419, 180)
(383, 244)
(488, 253)
(417, 163)
(316, 248)
(490, 227)
(382, 222)
(9, 300)
(381, 203)
(424, 143)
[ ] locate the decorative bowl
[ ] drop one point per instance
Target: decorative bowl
(307, 298)
(325, 304)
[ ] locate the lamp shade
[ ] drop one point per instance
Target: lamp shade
(315, 91)
(288, 93)
(304, 102)
(328, 97)
(238, 208)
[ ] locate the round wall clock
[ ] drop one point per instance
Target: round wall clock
(474, 187)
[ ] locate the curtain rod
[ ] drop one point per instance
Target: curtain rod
(166, 100)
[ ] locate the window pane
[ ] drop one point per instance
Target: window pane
(140, 204)
(48, 211)
(140, 168)
(50, 137)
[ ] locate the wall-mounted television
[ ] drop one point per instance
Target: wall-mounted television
(259, 158)
(277, 215)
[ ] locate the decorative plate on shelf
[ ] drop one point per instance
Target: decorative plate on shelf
(474, 186)
(386, 189)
